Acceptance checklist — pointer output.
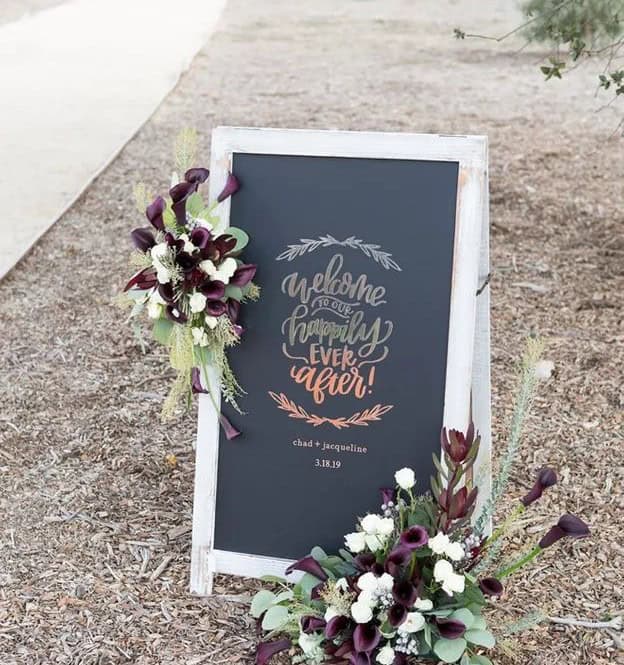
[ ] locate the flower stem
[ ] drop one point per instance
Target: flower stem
(515, 513)
(520, 563)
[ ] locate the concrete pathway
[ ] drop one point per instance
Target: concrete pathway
(77, 81)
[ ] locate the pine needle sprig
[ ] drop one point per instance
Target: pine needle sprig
(527, 381)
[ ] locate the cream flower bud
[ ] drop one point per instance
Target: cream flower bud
(423, 604)
(355, 542)
(405, 478)
(211, 321)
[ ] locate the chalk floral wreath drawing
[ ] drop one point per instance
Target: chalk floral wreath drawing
(412, 582)
(191, 281)
(332, 370)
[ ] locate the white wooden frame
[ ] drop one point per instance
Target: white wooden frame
(468, 364)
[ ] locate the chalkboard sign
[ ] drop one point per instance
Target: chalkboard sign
(361, 346)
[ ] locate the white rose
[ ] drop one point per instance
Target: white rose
(385, 582)
(154, 309)
(454, 584)
(442, 570)
(414, 622)
(368, 598)
(367, 582)
(386, 655)
(163, 275)
(361, 612)
(373, 542)
(330, 613)
(211, 321)
(197, 302)
(423, 604)
(159, 251)
(455, 552)
(342, 584)
(386, 526)
(439, 543)
(223, 273)
(371, 524)
(309, 642)
(405, 478)
(355, 541)
(188, 245)
(200, 338)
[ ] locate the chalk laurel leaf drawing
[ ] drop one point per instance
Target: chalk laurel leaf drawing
(307, 245)
(361, 418)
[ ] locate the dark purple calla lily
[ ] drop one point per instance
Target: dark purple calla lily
(266, 650)
(175, 315)
(144, 279)
(200, 236)
(364, 561)
(233, 309)
(224, 244)
(143, 239)
(166, 292)
(186, 261)
(388, 495)
(312, 624)
(456, 444)
(398, 558)
(366, 637)
(568, 526)
(213, 290)
(397, 615)
(451, 629)
(399, 659)
(197, 175)
(231, 187)
(194, 278)
(179, 194)
(243, 275)
(415, 537)
(335, 626)
(196, 384)
(404, 593)
(360, 658)
(154, 212)
(344, 649)
(490, 586)
(545, 478)
(308, 565)
(215, 307)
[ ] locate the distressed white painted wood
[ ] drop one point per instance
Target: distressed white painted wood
(468, 348)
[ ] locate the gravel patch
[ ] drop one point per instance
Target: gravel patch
(95, 540)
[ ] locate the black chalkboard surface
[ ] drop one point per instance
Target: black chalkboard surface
(344, 356)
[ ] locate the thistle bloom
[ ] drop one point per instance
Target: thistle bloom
(568, 526)
(456, 444)
(545, 478)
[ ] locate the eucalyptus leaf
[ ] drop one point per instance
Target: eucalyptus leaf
(162, 331)
(428, 635)
(482, 638)
(480, 660)
(261, 602)
(274, 579)
(284, 595)
(306, 584)
(234, 292)
(241, 238)
(449, 651)
(465, 660)
(318, 553)
(465, 616)
(275, 617)
(479, 623)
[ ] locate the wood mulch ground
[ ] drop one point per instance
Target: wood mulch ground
(95, 532)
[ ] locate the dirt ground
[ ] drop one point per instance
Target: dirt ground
(95, 534)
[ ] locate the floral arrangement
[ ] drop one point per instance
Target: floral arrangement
(411, 583)
(191, 281)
